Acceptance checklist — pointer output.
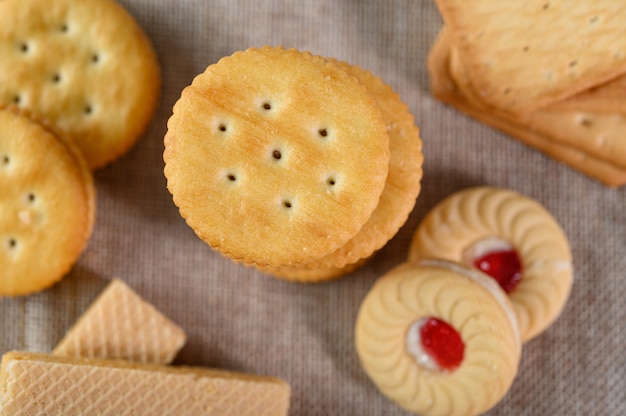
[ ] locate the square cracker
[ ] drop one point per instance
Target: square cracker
(606, 98)
(119, 324)
(524, 54)
(593, 122)
(445, 89)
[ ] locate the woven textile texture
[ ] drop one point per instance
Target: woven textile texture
(239, 319)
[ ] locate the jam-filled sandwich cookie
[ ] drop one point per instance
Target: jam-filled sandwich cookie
(85, 68)
(511, 238)
(438, 338)
(47, 204)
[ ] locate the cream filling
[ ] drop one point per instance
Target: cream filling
(483, 247)
(414, 346)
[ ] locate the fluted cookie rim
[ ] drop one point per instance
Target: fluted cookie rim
(447, 231)
(381, 330)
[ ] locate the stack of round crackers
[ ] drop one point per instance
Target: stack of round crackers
(79, 82)
(298, 165)
(46, 205)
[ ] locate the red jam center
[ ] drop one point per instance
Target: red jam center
(442, 343)
(504, 266)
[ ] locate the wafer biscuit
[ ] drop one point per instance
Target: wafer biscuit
(47, 205)
(41, 384)
(276, 157)
(399, 195)
(601, 135)
(445, 89)
(119, 324)
(391, 347)
(522, 55)
(84, 68)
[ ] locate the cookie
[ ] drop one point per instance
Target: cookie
(607, 98)
(86, 69)
(523, 55)
(46, 206)
(315, 274)
(438, 338)
(42, 384)
(266, 160)
(119, 324)
(445, 89)
(510, 237)
(399, 195)
(586, 127)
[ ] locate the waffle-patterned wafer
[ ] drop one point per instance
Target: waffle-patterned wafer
(119, 324)
(40, 384)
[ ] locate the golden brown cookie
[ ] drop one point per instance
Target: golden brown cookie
(522, 55)
(445, 88)
(438, 338)
(85, 68)
(267, 160)
(510, 237)
(399, 195)
(586, 122)
(47, 206)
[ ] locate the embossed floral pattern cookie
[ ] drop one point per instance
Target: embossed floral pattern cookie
(510, 237)
(438, 338)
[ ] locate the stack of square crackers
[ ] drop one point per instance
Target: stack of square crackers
(549, 73)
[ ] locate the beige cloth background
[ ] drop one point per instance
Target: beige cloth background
(239, 319)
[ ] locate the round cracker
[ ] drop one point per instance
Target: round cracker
(399, 195)
(85, 68)
(47, 206)
(276, 157)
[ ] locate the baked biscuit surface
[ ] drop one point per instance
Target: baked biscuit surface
(85, 68)
(390, 353)
(476, 222)
(399, 195)
(46, 206)
(276, 157)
